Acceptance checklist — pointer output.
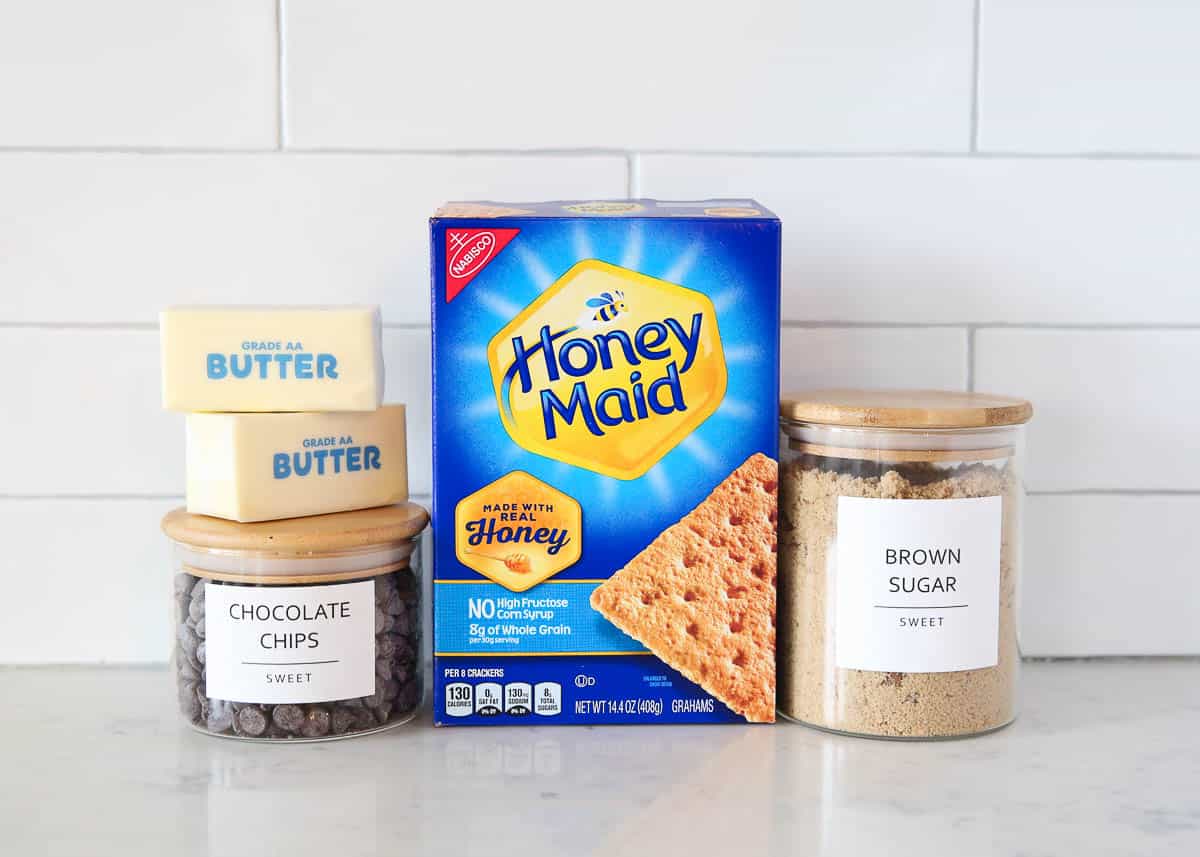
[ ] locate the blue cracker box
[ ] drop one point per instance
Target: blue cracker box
(605, 438)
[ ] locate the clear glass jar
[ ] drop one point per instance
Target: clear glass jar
(900, 561)
(303, 629)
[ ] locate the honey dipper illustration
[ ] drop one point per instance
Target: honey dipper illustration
(514, 562)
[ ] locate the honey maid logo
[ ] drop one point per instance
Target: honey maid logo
(608, 369)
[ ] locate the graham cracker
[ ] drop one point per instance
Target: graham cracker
(701, 596)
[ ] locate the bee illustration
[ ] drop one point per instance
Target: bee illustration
(607, 306)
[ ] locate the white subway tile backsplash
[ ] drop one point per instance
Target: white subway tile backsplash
(956, 240)
(85, 412)
(1082, 76)
(137, 169)
(873, 357)
(92, 580)
(144, 73)
(768, 75)
(113, 238)
(1112, 409)
(408, 377)
(1111, 575)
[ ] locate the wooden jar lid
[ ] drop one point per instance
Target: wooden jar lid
(313, 536)
(904, 409)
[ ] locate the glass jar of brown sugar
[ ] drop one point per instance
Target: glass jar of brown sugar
(301, 629)
(899, 561)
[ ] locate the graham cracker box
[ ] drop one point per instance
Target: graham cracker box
(605, 438)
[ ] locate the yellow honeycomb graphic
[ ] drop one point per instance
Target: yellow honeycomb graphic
(608, 369)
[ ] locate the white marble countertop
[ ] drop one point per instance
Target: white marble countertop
(1104, 761)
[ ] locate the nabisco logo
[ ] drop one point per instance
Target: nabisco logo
(471, 252)
(468, 251)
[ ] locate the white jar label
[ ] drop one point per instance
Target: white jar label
(918, 584)
(278, 644)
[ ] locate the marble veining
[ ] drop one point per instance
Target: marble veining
(1105, 760)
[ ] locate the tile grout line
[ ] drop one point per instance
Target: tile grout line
(280, 130)
(1115, 492)
(633, 175)
(1133, 326)
(63, 496)
(79, 325)
(976, 24)
(765, 154)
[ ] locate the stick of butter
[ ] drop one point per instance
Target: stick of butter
(271, 358)
(261, 467)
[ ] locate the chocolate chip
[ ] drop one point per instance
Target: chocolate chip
(385, 588)
(342, 720)
(187, 639)
(401, 624)
(316, 723)
(386, 646)
(288, 717)
(405, 652)
(187, 672)
(252, 721)
(364, 719)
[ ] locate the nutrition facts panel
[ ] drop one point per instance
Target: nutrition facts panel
(492, 699)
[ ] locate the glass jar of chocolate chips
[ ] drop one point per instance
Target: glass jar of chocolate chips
(303, 629)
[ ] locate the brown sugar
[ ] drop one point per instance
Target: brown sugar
(812, 689)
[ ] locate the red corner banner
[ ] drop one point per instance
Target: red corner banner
(468, 251)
